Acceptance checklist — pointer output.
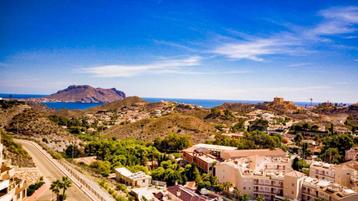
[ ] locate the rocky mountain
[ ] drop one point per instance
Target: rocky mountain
(86, 94)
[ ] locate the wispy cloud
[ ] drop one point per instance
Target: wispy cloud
(299, 64)
(255, 49)
(176, 45)
(339, 20)
(294, 42)
(159, 66)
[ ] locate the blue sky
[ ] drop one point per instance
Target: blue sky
(250, 50)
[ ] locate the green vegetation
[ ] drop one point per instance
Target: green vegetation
(252, 140)
(216, 113)
(74, 125)
(303, 127)
(59, 185)
(172, 143)
(73, 151)
(239, 126)
(331, 155)
(33, 187)
(102, 167)
(113, 192)
(258, 125)
(300, 165)
(352, 123)
(11, 146)
(6, 104)
(334, 147)
(122, 153)
(170, 172)
(210, 182)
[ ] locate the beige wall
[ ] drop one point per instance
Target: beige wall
(322, 173)
(292, 187)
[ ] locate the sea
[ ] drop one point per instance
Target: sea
(205, 103)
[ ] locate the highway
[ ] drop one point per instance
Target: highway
(50, 173)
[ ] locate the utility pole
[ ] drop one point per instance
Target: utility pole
(73, 149)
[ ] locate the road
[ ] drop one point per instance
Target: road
(50, 173)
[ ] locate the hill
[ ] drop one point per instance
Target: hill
(151, 128)
(32, 123)
(86, 94)
(119, 104)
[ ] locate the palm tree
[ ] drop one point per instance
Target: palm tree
(65, 184)
(55, 188)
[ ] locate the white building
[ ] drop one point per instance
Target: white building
(138, 179)
(11, 188)
(273, 178)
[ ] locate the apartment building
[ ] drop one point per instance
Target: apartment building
(11, 187)
(321, 170)
(273, 179)
(255, 175)
(138, 179)
(314, 189)
(242, 153)
(205, 156)
(345, 174)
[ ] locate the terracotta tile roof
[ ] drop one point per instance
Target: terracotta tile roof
(185, 194)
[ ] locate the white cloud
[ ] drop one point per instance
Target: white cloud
(335, 21)
(160, 66)
(300, 64)
(254, 50)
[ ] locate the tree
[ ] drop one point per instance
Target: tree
(102, 167)
(240, 126)
(299, 164)
(59, 185)
(65, 184)
(55, 188)
(305, 151)
(331, 155)
(340, 142)
(298, 138)
(258, 124)
(72, 151)
(172, 143)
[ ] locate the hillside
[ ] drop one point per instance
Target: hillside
(119, 104)
(86, 94)
(149, 129)
(32, 123)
